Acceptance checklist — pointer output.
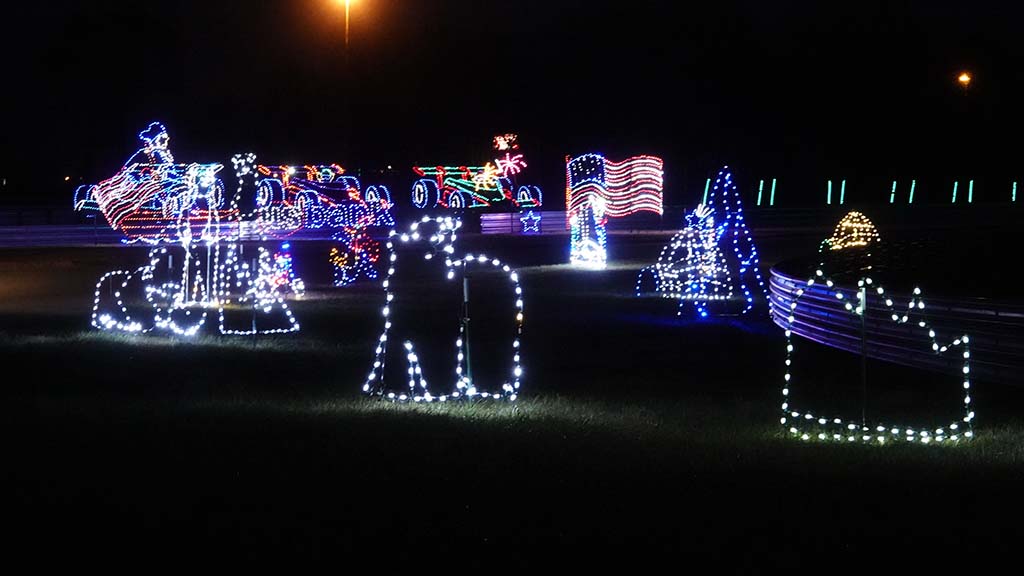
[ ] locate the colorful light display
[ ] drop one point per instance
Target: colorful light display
(510, 165)
(626, 187)
(440, 235)
(276, 276)
(459, 187)
(151, 194)
(711, 261)
(290, 199)
(854, 230)
(588, 238)
(806, 425)
(356, 258)
(503, 142)
(178, 290)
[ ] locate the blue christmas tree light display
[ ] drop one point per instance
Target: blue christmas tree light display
(712, 260)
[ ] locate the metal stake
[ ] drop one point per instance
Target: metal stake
(863, 354)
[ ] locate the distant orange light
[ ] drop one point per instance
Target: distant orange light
(964, 79)
(66, 178)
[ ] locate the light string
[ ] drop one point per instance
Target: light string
(698, 266)
(806, 425)
(853, 230)
(441, 237)
(181, 299)
(588, 238)
(633, 185)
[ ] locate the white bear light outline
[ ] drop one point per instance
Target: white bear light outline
(463, 388)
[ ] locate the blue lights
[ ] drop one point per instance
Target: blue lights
(531, 223)
(697, 265)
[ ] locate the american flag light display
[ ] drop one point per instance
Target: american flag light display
(630, 186)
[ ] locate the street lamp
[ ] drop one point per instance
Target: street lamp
(348, 6)
(964, 79)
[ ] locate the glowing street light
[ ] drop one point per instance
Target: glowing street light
(348, 6)
(964, 79)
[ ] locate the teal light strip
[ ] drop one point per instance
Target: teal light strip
(771, 201)
(828, 199)
(892, 194)
(706, 186)
(842, 193)
(760, 192)
(970, 192)
(913, 184)
(955, 185)
(1013, 194)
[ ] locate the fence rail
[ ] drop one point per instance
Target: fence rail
(996, 329)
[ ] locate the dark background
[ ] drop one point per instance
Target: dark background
(798, 91)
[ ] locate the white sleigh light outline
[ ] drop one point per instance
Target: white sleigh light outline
(844, 430)
(418, 388)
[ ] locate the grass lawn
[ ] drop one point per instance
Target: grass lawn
(637, 432)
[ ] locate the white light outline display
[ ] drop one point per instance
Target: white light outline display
(842, 430)
(418, 389)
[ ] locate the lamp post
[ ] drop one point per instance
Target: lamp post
(964, 79)
(348, 6)
(348, 79)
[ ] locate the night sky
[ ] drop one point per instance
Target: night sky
(800, 91)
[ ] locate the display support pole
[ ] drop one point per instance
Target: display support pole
(863, 354)
(254, 262)
(465, 326)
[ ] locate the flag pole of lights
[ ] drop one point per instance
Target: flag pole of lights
(806, 425)
(854, 230)
(694, 267)
(441, 236)
(588, 238)
(181, 301)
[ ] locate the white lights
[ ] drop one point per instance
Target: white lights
(879, 433)
(463, 387)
